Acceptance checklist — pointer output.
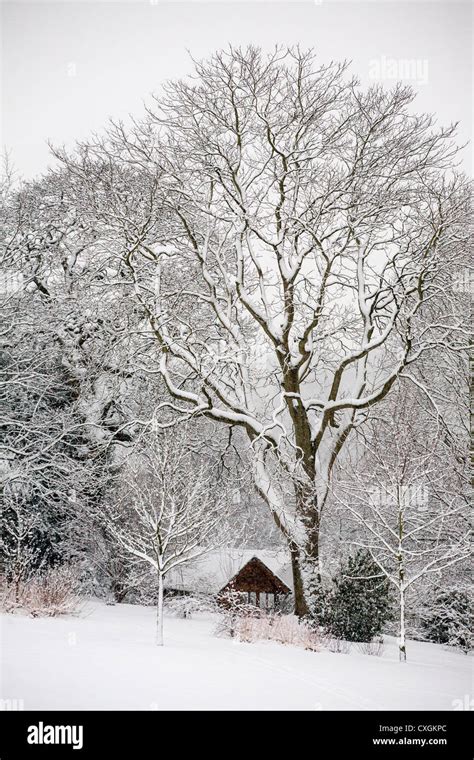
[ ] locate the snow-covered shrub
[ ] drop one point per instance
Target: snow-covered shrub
(249, 628)
(231, 610)
(338, 646)
(53, 593)
(359, 603)
(449, 619)
(13, 594)
(252, 624)
(50, 594)
(189, 604)
(7, 596)
(374, 648)
(288, 629)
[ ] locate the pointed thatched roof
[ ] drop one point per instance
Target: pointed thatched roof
(255, 576)
(213, 570)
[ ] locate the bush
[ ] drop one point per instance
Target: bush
(374, 648)
(232, 609)
(284, 629)
(449, 619)
(252, 624)
(359, 603)
(189, 604)
(50, 594)
(338, 646)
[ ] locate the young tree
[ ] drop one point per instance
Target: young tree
(168, 511)
(408, 513)
(286, 233)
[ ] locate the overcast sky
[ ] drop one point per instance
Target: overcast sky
(68, 66)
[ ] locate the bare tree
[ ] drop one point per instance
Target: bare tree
(407, 509)
(168, 511)
(288, 234)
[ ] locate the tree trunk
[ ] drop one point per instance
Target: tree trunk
(402, 651)
(159, 612)
(119, 592)
(303, 542)
(305, 569)
(301, 607)
(17, 589)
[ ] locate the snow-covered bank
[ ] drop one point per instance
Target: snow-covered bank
(105, 658)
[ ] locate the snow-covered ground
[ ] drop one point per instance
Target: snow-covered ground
(105, 658)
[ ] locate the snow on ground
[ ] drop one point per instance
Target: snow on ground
(105, 658)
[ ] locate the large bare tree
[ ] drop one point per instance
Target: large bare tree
(284, 233)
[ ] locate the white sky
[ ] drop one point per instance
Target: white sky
(67, 66)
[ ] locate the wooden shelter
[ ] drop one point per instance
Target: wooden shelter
(255, 584)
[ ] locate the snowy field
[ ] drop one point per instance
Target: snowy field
(105, 658)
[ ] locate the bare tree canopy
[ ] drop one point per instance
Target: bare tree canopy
(292, 241)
